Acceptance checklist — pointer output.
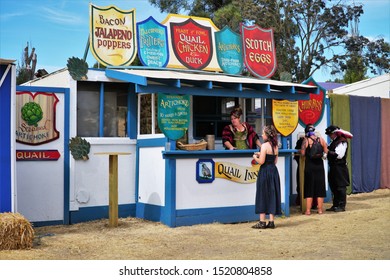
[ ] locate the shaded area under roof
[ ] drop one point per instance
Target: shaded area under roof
(204, 83)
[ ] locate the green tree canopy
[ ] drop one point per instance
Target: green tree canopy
(309, 34)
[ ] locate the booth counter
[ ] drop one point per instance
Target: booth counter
(207, 186)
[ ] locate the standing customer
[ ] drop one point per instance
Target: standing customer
(239, 135)
(268, 181)
(338, 175)
(314, 179)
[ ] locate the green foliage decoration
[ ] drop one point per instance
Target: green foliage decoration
(79, 148)
(77, 68)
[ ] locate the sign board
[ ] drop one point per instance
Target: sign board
(191, 43)
(285, 116)
(312, 110)
(37, 155)
(229, 51)
(36, 117)
(173, 114)
(112, 36)
(259, 50)
(152, 43)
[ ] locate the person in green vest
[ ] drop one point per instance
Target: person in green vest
(239, 135)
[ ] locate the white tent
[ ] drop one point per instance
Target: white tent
(378, 87)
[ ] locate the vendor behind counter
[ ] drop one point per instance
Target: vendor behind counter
(239, 135)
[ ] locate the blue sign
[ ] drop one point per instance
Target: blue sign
(229, 51)
(205, 171)
(152, 40)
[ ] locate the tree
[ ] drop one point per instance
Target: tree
(26, 72)
(309, 34)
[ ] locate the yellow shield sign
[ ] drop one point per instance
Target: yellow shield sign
(112, 35)
(285, 116)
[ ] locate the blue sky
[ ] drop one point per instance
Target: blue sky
(58, 29)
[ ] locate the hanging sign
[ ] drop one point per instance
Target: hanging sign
(285, 116)
(192, 44)
(112, 35)
(36, 117)
(229, 51)
(312, 110)
(152, 43)
(259, 50)
(173, 114)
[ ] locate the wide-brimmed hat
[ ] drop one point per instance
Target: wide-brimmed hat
(331, 129)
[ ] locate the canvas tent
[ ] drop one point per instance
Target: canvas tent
(364, 109)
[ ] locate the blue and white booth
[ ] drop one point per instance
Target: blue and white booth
(7, 139)
(115, 110)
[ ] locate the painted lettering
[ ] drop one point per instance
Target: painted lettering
(311, 104)
(112, 21)
(229, 171)
(255, 44)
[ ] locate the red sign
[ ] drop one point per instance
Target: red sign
(259, 50)
(34, 155)
(191, 43)
(311, 111)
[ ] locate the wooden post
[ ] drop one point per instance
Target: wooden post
(113, 186)
(113, 191)
(302, 182)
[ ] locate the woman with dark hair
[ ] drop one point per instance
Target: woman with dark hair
(268, 181)
(314, 179)
(239, 135)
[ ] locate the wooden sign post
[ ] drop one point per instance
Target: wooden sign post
(302, 183)
(113, 186)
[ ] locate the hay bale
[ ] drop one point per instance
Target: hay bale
(16, 232)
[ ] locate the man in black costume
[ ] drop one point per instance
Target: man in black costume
(338, 175)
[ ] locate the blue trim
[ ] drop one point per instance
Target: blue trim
(223, 92)
(155, 142)
(101, 110)
(236, 214)
(169, 211)
(287, 182)
(86, 214)
(216, 153)
(149, 212)
(5, 141)
(66, 92)
(128, 77)
(66, 156)
(47, 223)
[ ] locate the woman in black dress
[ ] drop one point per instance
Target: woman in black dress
(268, 181)
(314, 179)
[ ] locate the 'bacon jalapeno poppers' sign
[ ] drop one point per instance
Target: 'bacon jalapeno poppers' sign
(112, 35)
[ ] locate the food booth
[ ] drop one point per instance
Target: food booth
(141, 114)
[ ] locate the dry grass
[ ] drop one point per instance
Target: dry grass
(360, 233)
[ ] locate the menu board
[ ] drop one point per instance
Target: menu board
(285, 116)
(173, 115)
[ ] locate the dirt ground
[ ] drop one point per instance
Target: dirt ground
(360, 233)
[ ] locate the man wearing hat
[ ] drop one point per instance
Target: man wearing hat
(338, 175)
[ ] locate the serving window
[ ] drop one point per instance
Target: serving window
(102, 109)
